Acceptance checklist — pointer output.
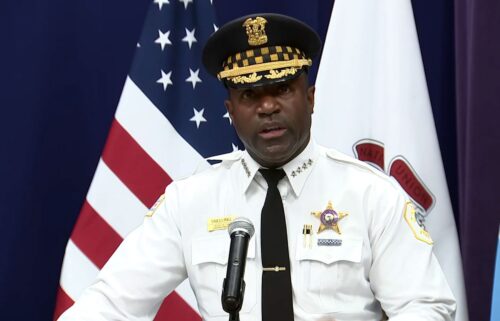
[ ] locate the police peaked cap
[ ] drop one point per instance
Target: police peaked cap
(260, 49)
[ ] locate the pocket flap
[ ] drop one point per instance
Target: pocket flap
(349, 250)
(215, 249)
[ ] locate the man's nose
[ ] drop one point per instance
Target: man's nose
(268, 105)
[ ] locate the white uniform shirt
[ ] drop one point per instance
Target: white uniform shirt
(376, 263)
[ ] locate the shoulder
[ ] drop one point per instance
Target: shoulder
(214, 169)
(334, 155)
(362, 170)
(226, 159)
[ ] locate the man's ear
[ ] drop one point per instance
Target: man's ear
(310, 97)
(229, 106)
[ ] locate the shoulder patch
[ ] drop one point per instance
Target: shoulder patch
(157, 204)
(416, 227)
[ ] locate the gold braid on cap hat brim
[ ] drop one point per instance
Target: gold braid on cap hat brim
(271, 66)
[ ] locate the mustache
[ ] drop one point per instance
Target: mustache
(274, 124)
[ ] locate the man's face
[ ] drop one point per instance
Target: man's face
(273, 121)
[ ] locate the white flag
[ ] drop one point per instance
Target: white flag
(372, 102)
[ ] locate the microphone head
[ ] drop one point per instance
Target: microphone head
(241, 224)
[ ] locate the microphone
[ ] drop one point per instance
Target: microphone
(241, 231)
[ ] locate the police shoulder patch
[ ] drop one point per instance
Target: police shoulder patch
(416, 226)
(155, 206)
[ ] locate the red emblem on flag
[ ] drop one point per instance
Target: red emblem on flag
(372, 152)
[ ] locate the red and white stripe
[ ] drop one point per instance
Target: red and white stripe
(143, 154)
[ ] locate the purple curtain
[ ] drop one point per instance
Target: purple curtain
(477, 36)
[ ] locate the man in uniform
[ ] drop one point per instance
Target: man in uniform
(334, 238)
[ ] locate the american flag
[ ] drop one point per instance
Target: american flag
(169, 119)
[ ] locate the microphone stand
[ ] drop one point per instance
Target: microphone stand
(234, 316)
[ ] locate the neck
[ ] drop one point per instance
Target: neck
(279, 162)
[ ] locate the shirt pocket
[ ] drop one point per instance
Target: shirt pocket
(209, 266)
(325, 273)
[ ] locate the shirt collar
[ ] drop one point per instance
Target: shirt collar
(248, 167)
(297, 170)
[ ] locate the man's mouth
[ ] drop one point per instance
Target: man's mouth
(272, 132)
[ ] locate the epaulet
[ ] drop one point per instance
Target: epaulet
(208, 163)
(341, 157)
(228, 157)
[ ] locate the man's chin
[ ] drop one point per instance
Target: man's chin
(275, 155)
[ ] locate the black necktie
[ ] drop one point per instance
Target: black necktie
(277, 302)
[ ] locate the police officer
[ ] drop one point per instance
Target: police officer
(334, 238)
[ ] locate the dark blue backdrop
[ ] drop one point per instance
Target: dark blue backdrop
(63, 65)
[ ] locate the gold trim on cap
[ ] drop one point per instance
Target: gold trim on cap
(273, 74)
(238, 71)
(246, 79)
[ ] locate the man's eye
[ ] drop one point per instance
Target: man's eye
(284, 89)
(247, 94)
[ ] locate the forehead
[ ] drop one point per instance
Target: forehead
(295, 82)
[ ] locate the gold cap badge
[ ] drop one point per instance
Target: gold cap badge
(256, 31)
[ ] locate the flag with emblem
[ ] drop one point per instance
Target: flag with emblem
(164, 127)
(372, 102)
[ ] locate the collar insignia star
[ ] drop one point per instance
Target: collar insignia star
(329, 218)
(245, 167)
(302, 168)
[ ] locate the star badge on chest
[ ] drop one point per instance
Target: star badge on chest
(329, 218)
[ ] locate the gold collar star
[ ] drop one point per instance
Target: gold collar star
(329, 218)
